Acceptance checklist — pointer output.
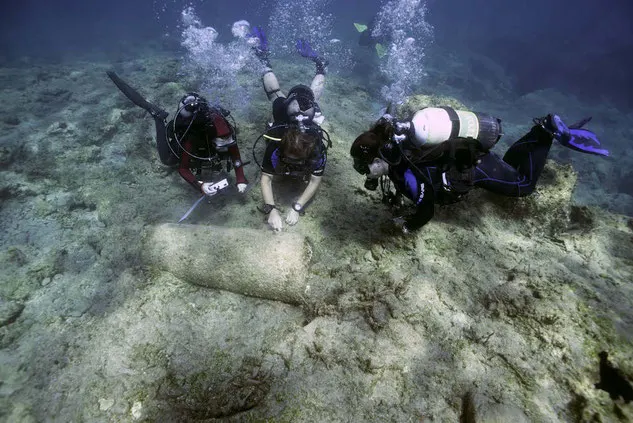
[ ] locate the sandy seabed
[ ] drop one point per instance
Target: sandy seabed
(498, 307)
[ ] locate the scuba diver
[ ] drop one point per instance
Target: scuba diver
(441, 154)
(199, 139)
(367, 38)
(296, 143)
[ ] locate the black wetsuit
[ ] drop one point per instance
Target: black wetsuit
(515, 175)
(198, 141)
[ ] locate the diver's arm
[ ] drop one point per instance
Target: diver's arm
(425, 210)
(310, 190)
(317, 86)
(234, 151)
(274, 218)
(267, 188)
(293, 215)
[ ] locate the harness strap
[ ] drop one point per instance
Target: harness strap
(270, 93)
(452, 114)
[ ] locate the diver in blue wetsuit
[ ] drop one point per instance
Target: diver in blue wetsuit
(441, 154)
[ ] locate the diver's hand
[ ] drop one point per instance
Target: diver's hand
(242, 188)
(208, 189)
(293, 217)
(274, 220)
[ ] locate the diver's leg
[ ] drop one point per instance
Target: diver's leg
(517, 174)
(167, 156)
(317, 85)
(137, 98)
(271, 85)
(159, 115)
(318, 82)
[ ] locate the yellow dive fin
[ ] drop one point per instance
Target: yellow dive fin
(381, 51)
(360, 27)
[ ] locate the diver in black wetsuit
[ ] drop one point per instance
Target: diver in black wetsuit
(198, 139)
(296, 143)
(430, 166)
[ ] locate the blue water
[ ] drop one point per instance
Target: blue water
(90, 330)
(585, 47)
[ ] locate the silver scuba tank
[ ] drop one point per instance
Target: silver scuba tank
(434, 125)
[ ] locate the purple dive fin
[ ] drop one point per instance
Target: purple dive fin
(585, 141)
(576, 138)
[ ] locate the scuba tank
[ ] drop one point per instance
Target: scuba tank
(433, 125)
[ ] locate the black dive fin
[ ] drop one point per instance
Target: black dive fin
(136, 98)
(391, 109)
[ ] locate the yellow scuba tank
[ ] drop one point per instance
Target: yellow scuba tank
(433, 125)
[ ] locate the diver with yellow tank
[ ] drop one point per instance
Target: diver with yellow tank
(440, 154)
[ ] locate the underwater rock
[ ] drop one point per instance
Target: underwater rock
(244, 261)
(79, 258)
(59, 127)
(9, 312)
(11, 120)
(105, 404)
(54, 96)
(21, 413)
(6, 156)
(420, 101)
(477, 408)
(613, 380)
(547, 210)
(509, 299)
(582, 218)
(16, 256)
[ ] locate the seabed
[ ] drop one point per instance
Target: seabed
(497, 305)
